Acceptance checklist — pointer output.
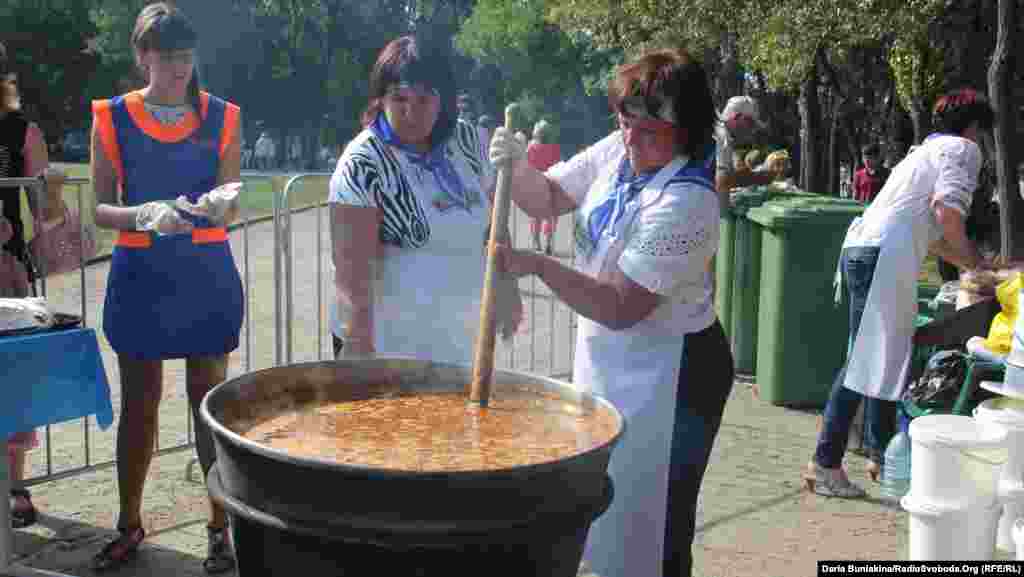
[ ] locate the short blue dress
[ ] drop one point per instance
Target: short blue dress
(172, 296)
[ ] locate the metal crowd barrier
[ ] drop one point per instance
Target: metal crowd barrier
(284, 306)
(34, 186)
(285, 286)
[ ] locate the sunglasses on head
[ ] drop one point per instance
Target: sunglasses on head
(406, 88)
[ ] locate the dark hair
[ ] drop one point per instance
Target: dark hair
(162, 27)
(3, 59)
(676, 76)
(955, 111)
(408, 59)
(872, 149)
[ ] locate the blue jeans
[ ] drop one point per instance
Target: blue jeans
(858, 266)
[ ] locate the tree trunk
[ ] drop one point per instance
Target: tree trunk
(810, 119)
(728, 81)
(1001, 93)
(920, 113)
(833, 153)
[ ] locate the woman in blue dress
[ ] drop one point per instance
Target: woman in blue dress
(173, 291)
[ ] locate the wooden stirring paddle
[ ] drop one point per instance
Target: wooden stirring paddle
(483, 365)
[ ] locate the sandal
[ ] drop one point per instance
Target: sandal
(21, 518)
(115, 553)
(874, 470)
(220, 557)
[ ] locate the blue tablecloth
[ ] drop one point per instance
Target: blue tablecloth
(50, 377)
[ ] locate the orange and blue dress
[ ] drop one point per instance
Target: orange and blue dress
(170, 296)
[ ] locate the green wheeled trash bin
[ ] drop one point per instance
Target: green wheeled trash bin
(746, 273)
(802, 333)
(746, 276)
(723, 267)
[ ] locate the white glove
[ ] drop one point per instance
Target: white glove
(161, 219)
(215, 205)
(24, 313)
(507, 149)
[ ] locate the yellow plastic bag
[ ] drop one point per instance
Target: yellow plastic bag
(1000, 334)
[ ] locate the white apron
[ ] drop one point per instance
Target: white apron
(427, 300)
(638, 374)
(879, 358)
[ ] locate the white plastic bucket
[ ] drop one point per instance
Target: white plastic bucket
(983, 524)
(943, 533)
(1002, 413)
(1012, 499)
(955, 460)
(1018, 538)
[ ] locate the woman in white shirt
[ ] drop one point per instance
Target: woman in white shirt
(648, 340)
(410, 202)
(921, 209)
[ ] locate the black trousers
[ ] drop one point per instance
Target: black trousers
(705, 382)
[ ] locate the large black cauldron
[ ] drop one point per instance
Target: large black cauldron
(297, 516)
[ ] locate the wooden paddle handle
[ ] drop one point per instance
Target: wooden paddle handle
(483, 365)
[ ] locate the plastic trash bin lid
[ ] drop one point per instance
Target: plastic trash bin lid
(745, 199)
(797, 211)
(1003, 411)
(958, 431)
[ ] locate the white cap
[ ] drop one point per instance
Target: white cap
(743, 105)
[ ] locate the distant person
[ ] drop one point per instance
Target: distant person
(23, 153)
(740, 121)
(870, 178)
(542, 153)
(264, 151)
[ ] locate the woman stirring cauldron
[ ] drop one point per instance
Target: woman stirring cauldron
(409, 207)
(647, 225)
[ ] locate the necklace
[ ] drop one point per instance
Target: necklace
(167, 115)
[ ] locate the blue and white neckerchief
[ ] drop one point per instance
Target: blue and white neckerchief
(611, 210)
(436, 162)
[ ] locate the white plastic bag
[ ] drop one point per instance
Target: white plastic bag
(947, 294)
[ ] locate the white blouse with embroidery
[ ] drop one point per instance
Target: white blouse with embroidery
(668, 243)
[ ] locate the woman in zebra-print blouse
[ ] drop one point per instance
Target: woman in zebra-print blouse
(410, 203)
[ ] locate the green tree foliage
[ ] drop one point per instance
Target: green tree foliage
(49, 45)
(551, 73)
(535, 55)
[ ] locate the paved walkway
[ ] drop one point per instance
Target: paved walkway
(754, 518)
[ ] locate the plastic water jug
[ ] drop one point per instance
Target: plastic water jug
(896, 471)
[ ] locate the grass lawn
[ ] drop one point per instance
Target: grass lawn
(257, 197)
